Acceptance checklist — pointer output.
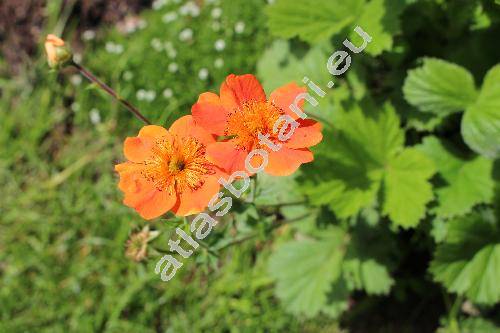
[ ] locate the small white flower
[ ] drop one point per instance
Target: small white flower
(128, 75)
(167, 93)
(239, 27)
(150, 95)
(195, 11)
(75, 106)
(203, 74)
(216, 12)
(76, 79)
(220, 44)
(95, 116)
(114, 48)
(172, 54)
(88, 34)
(158, 4)
(142, 24)
(173, 67)
(77, 58)
(190, 8)
(141, 94)
(169, 47)
(215, 26)
(110, 47)
(169, 17)
(218, 63)
(184, 10)
(156, 44)
(186, 34)
(118, 48)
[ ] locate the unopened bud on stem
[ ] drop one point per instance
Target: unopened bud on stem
(57, 52)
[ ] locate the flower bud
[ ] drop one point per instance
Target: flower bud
(137, 244)
(56, 50)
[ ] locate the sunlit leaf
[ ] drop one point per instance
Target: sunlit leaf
(308, 273)
(312, 20)
(468, 261)
(481, 122)
(468, 181)
(439, 87)
(407, 189)
(380, 19)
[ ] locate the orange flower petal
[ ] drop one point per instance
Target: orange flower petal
(285, 95)
(133, 184)
(307, 135)
(152, 131)
(137, 149)
(185, 127)
(156, 205)
(130, 178)
(54, 40)
(209, 113)
(238, 89)
(193, 202)
(286, 161)
(140, 194)
(227, 156)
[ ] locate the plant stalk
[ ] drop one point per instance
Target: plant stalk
(92, 78)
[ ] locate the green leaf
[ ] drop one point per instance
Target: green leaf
(367, 259)
(468, 261)
(308, 274)
(364, 264)
(345, 190)
(345, 175)
(481, 122)
(270, 67)
(406, 187)
(315, 275)
(368, 275)
(422, 121)
(358, 155)
(439, 230)
(468, 181)
(439, 87)
(351, 165)
(310, 20)
(277, 190)
(471, 325)
(478, 325)
(316, 21)
(380, 19)
(278, 66)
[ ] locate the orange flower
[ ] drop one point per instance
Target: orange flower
(57, 52)
(242, 111)
(168, 170)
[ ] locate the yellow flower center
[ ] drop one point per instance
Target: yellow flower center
(177, 164)
(254, 117)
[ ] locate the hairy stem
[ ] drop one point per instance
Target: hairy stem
(92, 78)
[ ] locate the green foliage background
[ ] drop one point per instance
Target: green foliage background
(395, 227)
